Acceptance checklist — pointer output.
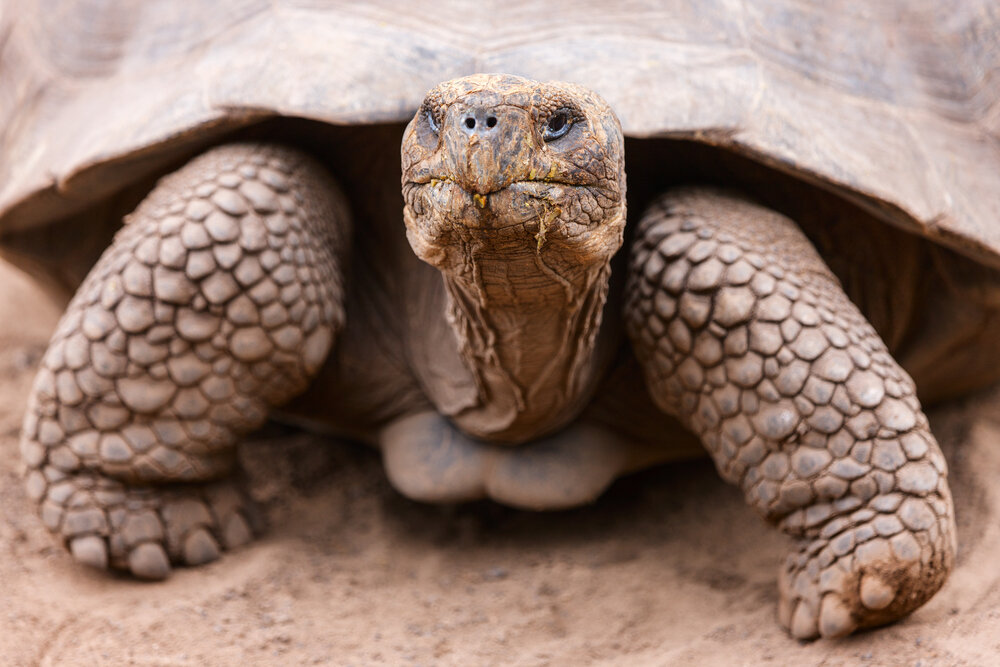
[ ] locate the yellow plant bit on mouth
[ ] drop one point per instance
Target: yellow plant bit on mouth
(480, 200)
(543, 225)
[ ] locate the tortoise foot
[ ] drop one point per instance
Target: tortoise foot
(868, 568)
(146, 530)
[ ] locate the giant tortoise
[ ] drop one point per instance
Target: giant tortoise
(815, 192)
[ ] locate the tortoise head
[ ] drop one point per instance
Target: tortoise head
(514, 166)
(515, 191)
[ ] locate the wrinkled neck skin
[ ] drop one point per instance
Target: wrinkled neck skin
(526, 321)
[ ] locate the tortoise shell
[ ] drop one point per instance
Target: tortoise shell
(894, 105)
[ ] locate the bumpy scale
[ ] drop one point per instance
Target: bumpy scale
(218, 299)
(746, 336)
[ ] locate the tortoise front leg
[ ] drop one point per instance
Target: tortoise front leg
(218, 299)
(745, 335)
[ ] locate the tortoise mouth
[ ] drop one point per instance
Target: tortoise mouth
(530, 203)
(452, 180)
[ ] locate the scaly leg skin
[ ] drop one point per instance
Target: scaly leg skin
(218, 299)
(746, 336)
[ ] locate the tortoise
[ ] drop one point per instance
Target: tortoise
(813, 239)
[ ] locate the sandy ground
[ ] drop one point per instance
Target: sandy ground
(668, 568)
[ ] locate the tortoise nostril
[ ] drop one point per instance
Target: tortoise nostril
(477, 120)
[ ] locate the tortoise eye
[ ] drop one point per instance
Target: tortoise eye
(557, 126)
(431, 121)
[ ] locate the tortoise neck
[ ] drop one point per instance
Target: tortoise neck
(527, 326)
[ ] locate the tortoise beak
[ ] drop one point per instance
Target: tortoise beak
(489, 146)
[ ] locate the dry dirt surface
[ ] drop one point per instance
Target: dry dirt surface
(668, 568)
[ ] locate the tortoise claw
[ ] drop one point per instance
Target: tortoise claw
(149, 561)
(91, 551)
